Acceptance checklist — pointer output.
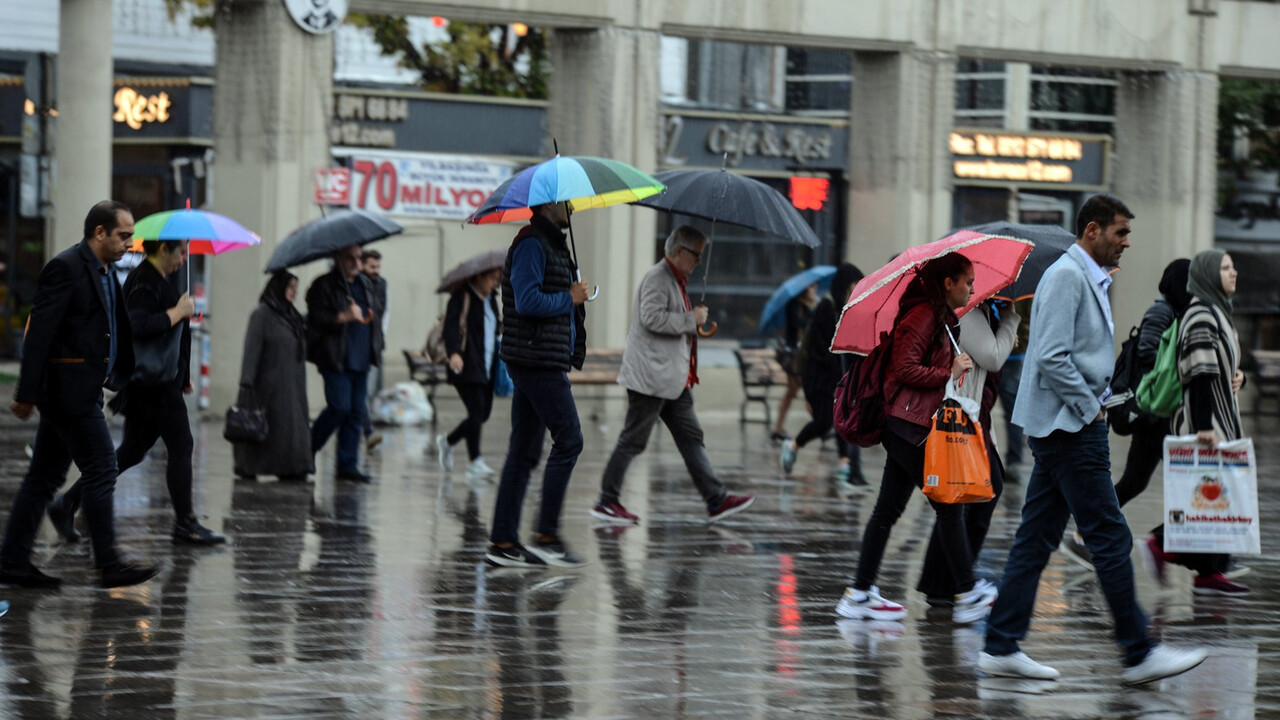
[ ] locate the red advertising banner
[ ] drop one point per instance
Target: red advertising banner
(423, 185)
(333, 186)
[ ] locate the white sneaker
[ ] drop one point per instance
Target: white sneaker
(868, 605)
(478, 468)
(1016, 665)
(444, 453)
(1162, 662)
(976, 604)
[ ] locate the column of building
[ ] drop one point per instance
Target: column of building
(271, 102)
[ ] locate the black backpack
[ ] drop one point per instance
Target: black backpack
(859, 411)
(1122, 409)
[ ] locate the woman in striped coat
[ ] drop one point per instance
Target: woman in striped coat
(1209, 368)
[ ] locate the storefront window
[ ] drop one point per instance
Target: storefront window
(980, 93)
(1072, 100)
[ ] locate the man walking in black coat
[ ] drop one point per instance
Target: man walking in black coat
(78, 339)
(344, 340)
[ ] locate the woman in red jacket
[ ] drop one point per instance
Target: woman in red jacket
(921, 363)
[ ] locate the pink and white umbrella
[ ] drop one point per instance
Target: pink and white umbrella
(873, 304)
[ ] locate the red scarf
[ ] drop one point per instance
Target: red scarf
(682, 280)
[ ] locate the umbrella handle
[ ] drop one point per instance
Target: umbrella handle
(710, 331)
(595, 291)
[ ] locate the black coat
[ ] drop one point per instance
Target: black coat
(326, 337)
(149, 296)
(65, 352)
(473, 369)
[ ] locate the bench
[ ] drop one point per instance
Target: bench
(430, 375)
(1266, 377)
(600, 367)
(760, 371)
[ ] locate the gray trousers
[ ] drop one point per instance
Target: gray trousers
(643, 411)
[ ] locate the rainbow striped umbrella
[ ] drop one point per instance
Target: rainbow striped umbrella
(209, 233)
(583, 182)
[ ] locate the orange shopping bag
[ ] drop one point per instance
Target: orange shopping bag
(956, 467)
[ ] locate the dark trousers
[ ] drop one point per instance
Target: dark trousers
(60, 440)
(822, 401)
(1146, 451)
(478, 399)
(374, 378)
(346, 397)
(903, 475)
(643, 412)
(151, 416)
(1010, 377)
(542, 401)
(935, 577)
(1071, 478)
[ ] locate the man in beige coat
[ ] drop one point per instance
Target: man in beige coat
(659, 370)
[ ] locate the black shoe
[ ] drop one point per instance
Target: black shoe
(64, 522)
(28, 576)
(516, 556)
(354, 476)
(122, 574)
(192, 532)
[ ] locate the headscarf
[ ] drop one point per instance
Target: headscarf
(847, 275)
(1173, 285)
(1205, 279)
(273, 296)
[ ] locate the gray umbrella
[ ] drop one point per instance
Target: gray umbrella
(325, 236)
(1050, 241)
(469, 268)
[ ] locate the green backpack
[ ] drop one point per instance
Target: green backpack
(1160, 392)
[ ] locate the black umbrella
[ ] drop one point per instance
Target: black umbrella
(1050, 241)
(722, 196)
(471, 267)
(323, 237)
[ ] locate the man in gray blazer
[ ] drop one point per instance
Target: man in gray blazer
(1065, 381)
(659, 370)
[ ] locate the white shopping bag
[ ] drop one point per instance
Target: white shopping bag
(404, 404)
(1210, 497)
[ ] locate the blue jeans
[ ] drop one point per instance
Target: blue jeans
(1071, 478)
(346, 396)
(542, 401)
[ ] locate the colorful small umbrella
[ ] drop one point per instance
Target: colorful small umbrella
(873, 307)
(469, 268)
(207, 233)
(775, 310)
(578, 181)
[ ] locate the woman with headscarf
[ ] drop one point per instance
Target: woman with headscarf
(273, 376)
(1209, 368)
(988, 334)
(822, 372)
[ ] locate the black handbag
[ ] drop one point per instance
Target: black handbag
(155, 361)
(246, 421)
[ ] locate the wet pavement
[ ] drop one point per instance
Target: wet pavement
(338, 600)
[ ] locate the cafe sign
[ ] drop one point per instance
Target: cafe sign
(1047, 160)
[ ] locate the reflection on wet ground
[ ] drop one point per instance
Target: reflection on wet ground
(336, 600)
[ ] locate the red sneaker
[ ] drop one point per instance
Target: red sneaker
(615, 514)
(731, 505)
(1218, 584)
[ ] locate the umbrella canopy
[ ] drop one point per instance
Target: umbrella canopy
(323, 237)
(583, 182)
(775, 314)
(1051, 241)
(469, 268)
(209, 233)
(722, 196)
(873, 306)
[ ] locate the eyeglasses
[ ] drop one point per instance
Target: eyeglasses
(694, 253)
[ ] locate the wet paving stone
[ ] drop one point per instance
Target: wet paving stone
(337, 600)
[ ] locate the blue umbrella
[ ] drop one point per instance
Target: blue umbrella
(775, 311)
